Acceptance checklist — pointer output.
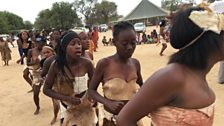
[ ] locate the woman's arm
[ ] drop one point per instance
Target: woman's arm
(46, 66)
(29, 56)
(49, 82)
(90, 71)
(95, 81)
(159, 90)
(112, 106)
(139, 75)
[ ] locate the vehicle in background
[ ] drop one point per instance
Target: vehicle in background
(103, 28)
(140, 27)
(80, 29)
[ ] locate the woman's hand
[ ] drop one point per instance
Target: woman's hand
(73, 100)
(114, 107)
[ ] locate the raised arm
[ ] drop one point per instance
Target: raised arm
(159, 90)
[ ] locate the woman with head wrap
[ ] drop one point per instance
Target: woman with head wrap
(70, 74)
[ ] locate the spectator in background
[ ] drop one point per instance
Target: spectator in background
(162, 36)
(149, 39)
(11, 39)
(104, 41)
(110, 41)
(144, 38)
(138, 37)
(95, 37)
(20, 49)
(91, 43)
(154, 36)
(5, 51)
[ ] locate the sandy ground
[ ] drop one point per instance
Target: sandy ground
(17, 107)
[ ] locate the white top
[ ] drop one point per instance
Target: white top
(80, 84)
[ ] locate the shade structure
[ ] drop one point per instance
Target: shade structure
(145, 9)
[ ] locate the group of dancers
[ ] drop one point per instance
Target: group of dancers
(176, 95)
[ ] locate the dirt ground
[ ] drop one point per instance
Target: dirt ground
(17, 106)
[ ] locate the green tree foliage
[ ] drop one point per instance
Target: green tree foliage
(28, 25)
(15, 22)
(43, 20)
(3, 24)
(106, 11)
(86, 8)
(173, 5)
(210, 1)
(96, 13)
(9, 22)
(62, 15)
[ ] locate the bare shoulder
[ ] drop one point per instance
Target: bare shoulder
(172, 74)
(50, 59)
(86, 61)
(104, 61)
(90, 55)
(135, 61)
(54, 67)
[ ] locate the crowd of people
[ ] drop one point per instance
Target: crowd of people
(175, 95)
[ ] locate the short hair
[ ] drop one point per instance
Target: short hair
(184, 31)
(121, 26)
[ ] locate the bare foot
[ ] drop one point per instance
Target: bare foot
(18, 61)
(30, 91)
(53, 120)
(37, 111)
(161, 54)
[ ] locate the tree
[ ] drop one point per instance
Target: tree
(210, 1)
(62, 15)
(174, 5)
(9, 22)
(106, 11)
(28, 25)
(171, 5)
(15, 22)
(3, 24)
(43, 20)
(86, 8)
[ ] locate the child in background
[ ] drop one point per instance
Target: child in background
(104, 41)
(47, 52)
(110, 41)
